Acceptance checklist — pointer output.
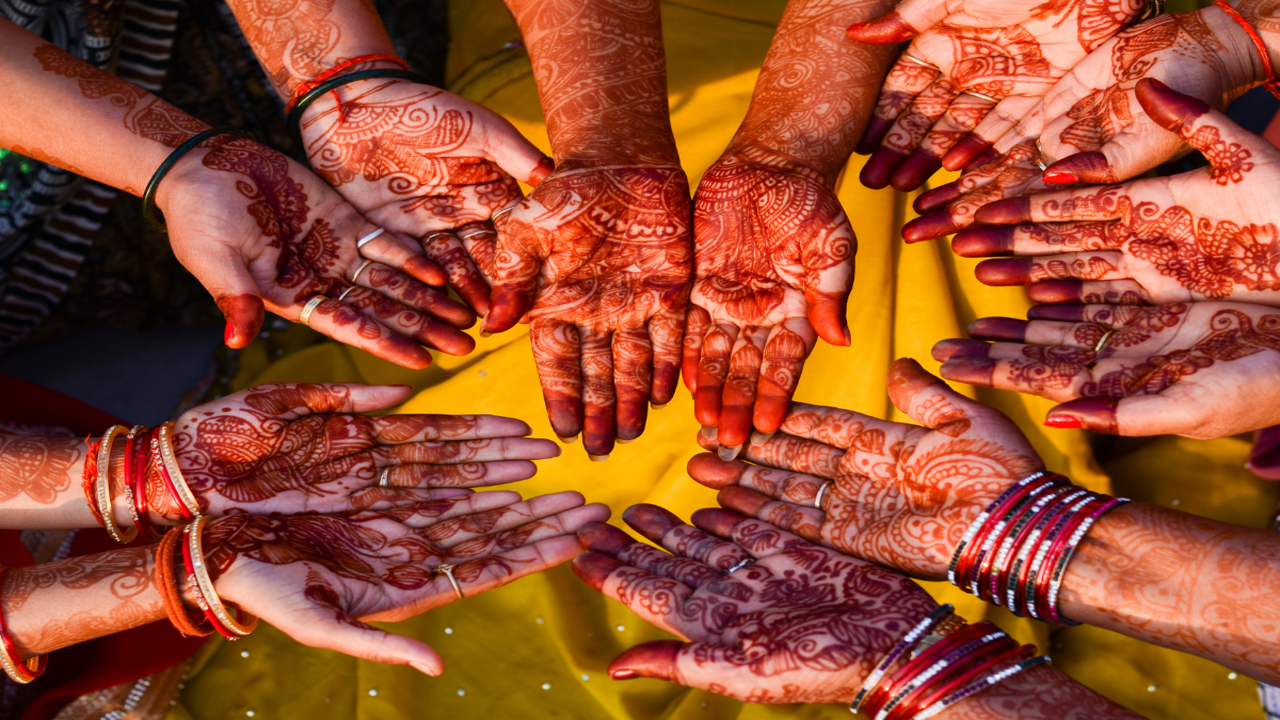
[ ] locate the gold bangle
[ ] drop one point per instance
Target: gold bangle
(170, 460)
(205, 583)
(102, 488)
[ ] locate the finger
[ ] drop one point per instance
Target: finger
(599, 399)
(930, 401)
(697, 324)
(394, 429)
(518, 157)
(407, 291)
(904, 82)
(424, 516)
(393, 249)
(460, 270)
(1040, 332)
(244, 313)
(503, 540)
(289, 401)
(450, 453)
(995, 124)
(632, 379)
(653, 598)
(1140, 415)
(827, 257)
(759, 539)
(1011, 175)
(788, 346)
(494, 571)
(331, 628)
(404, 321)
(687, 572)
(908, 19)
(805, 522)
(793, 487)
(556, 352)
(739, 396)
(908, 131)
(516, 265)
(713, 368)
(1084, 204)
(794, 453)
(955, 125)
(1228, 147)
(1112, 292)
(349, 326)
(687, 542)
(1039, 239)
(1055, 373)
(462, 475)
(450, 534)
(1106, 265)
(666, 333)
(1109, 316)
(483, 249)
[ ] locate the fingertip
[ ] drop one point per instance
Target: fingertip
(999, 329)
(964, 152)
(915, 170)
(1169, 108)
(927, 227)
(244, 314)
(1090, 167)
(1095, 414)
(983, 241)
(717, 521)
(937, 197)
(970, 370)
(655, 659)
(650, 520)
(594, 568)
(875, 131)
(708, 469)
(743, 500)
(953, 348)
(884, 30)
(879, 168)
(1012, 211)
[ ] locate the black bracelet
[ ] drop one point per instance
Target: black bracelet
(149, 197)
(294, 121)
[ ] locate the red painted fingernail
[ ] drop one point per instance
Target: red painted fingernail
(857, 26)
(1057, 177)
(229, 334)
(1063, 422)
(624, 675)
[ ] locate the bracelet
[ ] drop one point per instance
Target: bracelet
(202, 587)
(908, 641)
(1016, 552)
(1270, 83)
(300, 105)
(167, 581)
(102, 488)
(135, 493)
(165, 463)
(17, 670)
(149, 195)
(141, 462)
(316, 81)
(89, 476)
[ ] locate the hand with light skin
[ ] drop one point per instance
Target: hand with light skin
(415, 160)
(799, 624)
(973, 66)
(1090, 122)
(1208, 234)
(1201, 370)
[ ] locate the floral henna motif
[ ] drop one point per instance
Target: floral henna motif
(40, 468)
(290, 37)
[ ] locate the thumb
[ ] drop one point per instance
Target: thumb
(235, 292)
(909, 19)
(518, 157)
(1226, 145)
(516, 265)
(657, 659)
(1139, 415)
(931, 402)
(352, 637)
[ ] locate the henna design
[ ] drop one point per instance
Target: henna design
(127, 577)
(40, 468)
(289, 37)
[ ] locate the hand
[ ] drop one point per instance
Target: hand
(257, 229)
(319, 578)
(420, 162)
(1203, 370)
(798, 624)
(289, 448)
(1205, 234)
(902, 495)
(1007, 53)
(1088, 120)
(599, 258)
(774, 271)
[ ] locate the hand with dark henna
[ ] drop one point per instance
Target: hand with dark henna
(1202, 370)
(416, 160)
(900, 495)
(972, 68)
(798, 623)
(1208, 234)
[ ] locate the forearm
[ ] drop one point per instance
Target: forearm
(296, 42)
(817, 87)
(1041, 693)
(40, 483)
(601, 106)
(1182, 582)
(66, 112)
(1264, 16)
(52, 606)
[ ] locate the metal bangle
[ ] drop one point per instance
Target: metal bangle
(294, 120)
(102, 489)
(149, 195)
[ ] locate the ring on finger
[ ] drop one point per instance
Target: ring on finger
(369, 238)
(1040, 157)
(822, 492)
(980, 96)
(305, 317)
(917, 61)
(1102, 342)
(473, 233)
(437, 234)
(446, 570)
(740, 564)
(346, 292)
(500, 213)
(359, 270)
(385, 480)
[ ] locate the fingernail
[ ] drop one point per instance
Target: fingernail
(425, 669)
(485, 334)
(728, 453)
(623, 441)
(658, 407)
(229, 334)
(759, 438)
(1058, 177)
(598, 458)
(857, 26)
(623, 675)
(709, 434)
(568, 440)
(1063, 422)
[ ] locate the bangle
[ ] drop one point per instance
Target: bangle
(166, 464)
(141, 461)
(89, 476)
(908, 641)
(135, 493)
(979, 686)
(300, 105)
(102, 488)
(314, 82)
(1270, 83)
(149, 196)
(170, 591)
(202, 586)
(17, 670)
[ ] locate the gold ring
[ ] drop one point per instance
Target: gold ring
(359, 270)
(980, 96)
(474, 233)
(741, 564)
(385, 480)
(917, 61)
(447, 570)
(1102, 342)
(369, 238)
(438, 232)
(345, 292)
(310, 307)
(822, 491)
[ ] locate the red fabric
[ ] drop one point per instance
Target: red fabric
(107, 661)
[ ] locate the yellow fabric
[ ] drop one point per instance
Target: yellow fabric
(539, 648)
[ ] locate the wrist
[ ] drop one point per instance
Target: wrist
(1242, 65)
(768, 155)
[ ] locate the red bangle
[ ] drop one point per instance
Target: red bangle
(973, 554)
(1270, 83)
(1003, 655)
(918, 664)
(189, 566)
(157, 463)
(1020, 580)
(315, 82)
(89, 477)
(978, 658)
(22, 672)
(139, 464)
(1045, 505)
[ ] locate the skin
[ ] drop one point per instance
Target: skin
(773, 245)
(281, 449)
(1089, 126)
(598, 258)
(801, 623)
(318, 578)
(414, 159)
(1010, 52)
(903, 496)
(1202, 370)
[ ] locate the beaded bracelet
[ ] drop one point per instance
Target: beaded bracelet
(908, 641)
(232, 628)
(165, 464)
(149, 195)
(18, 671)
(294, 119)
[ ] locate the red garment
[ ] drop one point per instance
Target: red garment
(107, 661)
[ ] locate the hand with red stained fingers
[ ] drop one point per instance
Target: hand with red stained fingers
(895, 494)
(321, 578)
(1090, 122)
(765, 616)
(774, 270)
(1202, 370)
(1208, 234)
(972, 69)
(599, 259)
(260, 231)
(287, 448)
(424, 164)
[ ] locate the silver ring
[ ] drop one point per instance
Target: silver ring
(359, 270)
(346, 292)
(500, 213)
(447, 570)
(1040, 157)
(369, 238)
(980, 96)
(822, 491)
(917, 61)
(385, 480)
(474, 233)
(741, 564)
(1102, 342)
(1041, 165)
(310, 307)
(438, 232)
